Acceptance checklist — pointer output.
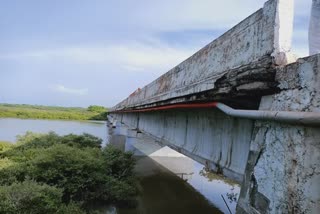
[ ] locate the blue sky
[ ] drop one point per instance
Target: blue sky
(83, 52)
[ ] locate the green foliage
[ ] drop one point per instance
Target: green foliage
(5, 146)
(100, 116)
(78, 171)
(29, 137)
(29, 197)
(5, 162)
(30, 144)
(73, 164)
(51, 112)
(84, 140)
(118, 163)
(95, 108)
(71, 208)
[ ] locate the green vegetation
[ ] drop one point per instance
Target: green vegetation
(98, 109)
(5, 146)
(52, 112)
(34, 198)
(48, 173)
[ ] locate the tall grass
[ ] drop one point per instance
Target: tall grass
(49, 112)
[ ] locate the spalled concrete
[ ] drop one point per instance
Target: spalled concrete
(283, 170)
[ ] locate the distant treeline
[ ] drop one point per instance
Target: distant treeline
(24, 111)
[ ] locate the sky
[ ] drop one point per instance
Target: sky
(85, 52)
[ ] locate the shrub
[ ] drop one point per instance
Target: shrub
(73, 163)
(118, 164)
(5, 162)
(84, 140)
(28, 145)
(78, 171)
(29, 138)
(29, 197)
(5, 146)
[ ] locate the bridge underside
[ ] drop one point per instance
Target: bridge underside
(208, 136)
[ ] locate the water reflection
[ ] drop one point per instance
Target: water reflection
(171, 182)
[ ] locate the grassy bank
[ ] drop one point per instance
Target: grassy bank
(52, 112)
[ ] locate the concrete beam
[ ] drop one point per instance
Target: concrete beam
(208, 136)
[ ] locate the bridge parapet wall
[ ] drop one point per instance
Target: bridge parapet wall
(251, 49)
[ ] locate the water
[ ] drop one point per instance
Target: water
(11, 127)
(169, 181)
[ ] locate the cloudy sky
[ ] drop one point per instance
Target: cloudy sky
(83, 52)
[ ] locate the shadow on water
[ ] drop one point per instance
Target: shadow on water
(164, 192)
(170, 182)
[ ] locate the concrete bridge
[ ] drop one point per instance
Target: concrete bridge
(246, 108)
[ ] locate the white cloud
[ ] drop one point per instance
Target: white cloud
(179, 15)
(72, 91)
(133, 56)
(159, 16)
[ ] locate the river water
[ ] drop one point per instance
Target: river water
(169, 182)
(11, 127)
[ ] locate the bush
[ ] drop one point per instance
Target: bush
(81, 141)
(5, 146)
(75, 165)
(5, 162)
(71, 208)
(78, 171)
(118, 164)
(28, 145)
(29, 197)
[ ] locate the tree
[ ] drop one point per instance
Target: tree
(95, 108)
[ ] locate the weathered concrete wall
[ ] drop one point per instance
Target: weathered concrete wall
(208, 136)
(283, 171)
(262, 37)
(282, 174)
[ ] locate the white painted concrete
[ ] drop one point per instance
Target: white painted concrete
(266, 32)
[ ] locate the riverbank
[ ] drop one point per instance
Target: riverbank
(51, 112)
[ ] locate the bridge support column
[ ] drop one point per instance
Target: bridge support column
(283, 170)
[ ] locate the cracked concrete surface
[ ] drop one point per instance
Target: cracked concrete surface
(284, 160)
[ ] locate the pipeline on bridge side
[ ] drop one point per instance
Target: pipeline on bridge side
(293, 117)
